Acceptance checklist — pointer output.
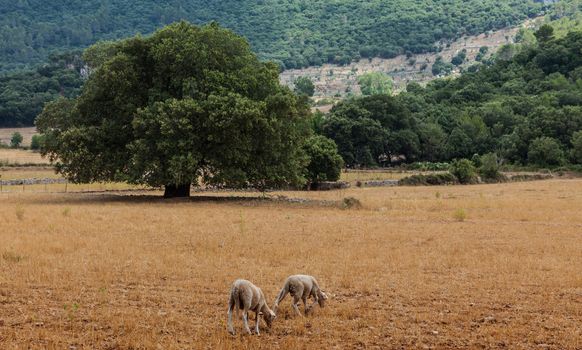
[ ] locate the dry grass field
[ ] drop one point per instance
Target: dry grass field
(486, 266)
(22, 157)
(366, 175)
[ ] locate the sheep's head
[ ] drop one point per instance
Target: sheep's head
(269, 316)
(322, 297)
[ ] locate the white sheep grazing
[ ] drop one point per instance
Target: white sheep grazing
(301, 287)
(246, 296)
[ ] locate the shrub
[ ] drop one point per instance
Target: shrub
(37, 142)
(476, 159)
(460, 215)
(489, 169)
(304, 86)
(428, 166)
(545, 151)
(325, 162)
(351, 203)
(16, 140)
(428, 180)
(464, 171)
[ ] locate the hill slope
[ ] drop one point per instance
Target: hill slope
(526, 108)
(297, 33)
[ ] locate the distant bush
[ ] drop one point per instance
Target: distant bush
(428, 166)
(324, 102)
(304, 85)
(351, 203)
(545, 151)
(460, 215)
(464, 171)
(16, 140)
(489, 169)
(429, 180)
(325, 163)
(37, 142)
(476, 159)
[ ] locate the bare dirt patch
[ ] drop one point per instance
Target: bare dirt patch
(336, 82)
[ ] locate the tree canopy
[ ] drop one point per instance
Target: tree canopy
(375, 83)
(184, 104)
(304, 85)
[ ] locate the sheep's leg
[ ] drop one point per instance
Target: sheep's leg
(257, 323)
(230, 326)
(296, 299)
(305, 308)
(245, 318)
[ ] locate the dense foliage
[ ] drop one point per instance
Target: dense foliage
(295, 33)
(375, 83)
(185, 104)
(24, 93)
(526, 108)
(325, 162)
(304, 86)
(16, 140)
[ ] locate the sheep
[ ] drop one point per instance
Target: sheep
(301, 287)
(246, 296)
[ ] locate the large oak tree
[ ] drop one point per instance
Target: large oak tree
(184, 105)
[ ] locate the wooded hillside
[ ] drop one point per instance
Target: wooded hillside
(296, 33)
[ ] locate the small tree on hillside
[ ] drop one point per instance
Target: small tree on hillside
(304, 85)
(375, 83)
(16, 140)
(186, 103)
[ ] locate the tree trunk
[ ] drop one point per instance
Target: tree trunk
(177, 191)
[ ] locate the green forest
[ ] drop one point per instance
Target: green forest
(295, 33)
(24, 93)
(526, 108)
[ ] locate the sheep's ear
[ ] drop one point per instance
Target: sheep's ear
(260, 313)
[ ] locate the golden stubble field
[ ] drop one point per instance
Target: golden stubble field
(20, 156)
(487, 266)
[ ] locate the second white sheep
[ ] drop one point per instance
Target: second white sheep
(301, 287)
